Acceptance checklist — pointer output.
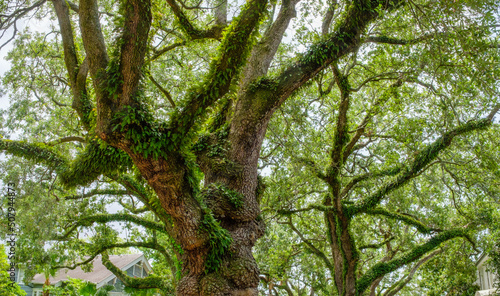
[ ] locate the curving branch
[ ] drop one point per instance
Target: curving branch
(95, 192)
(313, 249)
(159, 53)
(101, 249)
(66, 140)
(407, 219)
(383, 268)
(194, 33)
(163, 90)
(148, 282)
(348, 187)
(345, 39)
(421, 160)
(105, 218)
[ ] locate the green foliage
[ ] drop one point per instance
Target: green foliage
(7, 286)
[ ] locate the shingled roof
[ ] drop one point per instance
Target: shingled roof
(97, 275)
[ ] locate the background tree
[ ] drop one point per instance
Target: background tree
(380, 122)
(5, 280)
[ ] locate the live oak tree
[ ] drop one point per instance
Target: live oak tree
(169, 103)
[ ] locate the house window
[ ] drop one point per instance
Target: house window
(138, 270)
(37, 292)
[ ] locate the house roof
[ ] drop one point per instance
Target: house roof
(99, 272)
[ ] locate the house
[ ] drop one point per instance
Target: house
(134, 265)
(485, 278)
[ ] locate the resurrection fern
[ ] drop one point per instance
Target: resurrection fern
(219, 241)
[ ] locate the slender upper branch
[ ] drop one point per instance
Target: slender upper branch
(368, 176)
(313, 249)
(194, 33)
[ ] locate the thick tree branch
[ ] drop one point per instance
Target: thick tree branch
(263, 52)
(84, 169)
(341, 138)
(93, 39)
(134, 46)
(344, 40)
(38, 153)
